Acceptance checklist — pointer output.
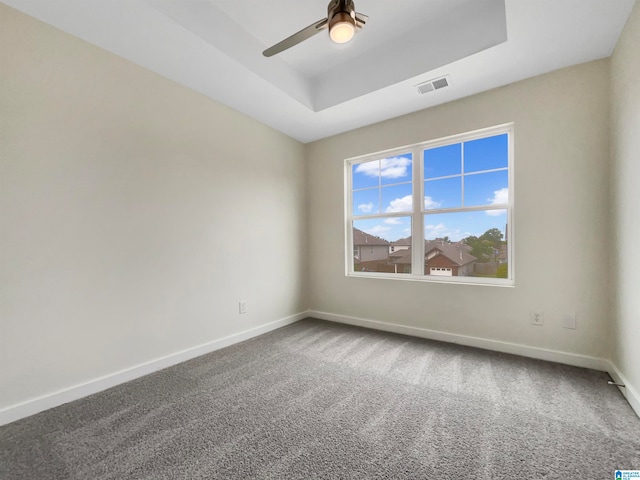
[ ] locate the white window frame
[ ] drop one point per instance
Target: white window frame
(418, 213)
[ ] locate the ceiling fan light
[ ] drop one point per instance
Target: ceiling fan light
(342, 28)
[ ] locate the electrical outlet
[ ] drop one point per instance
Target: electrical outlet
(242, 307)
(569, 321)
(537, 318)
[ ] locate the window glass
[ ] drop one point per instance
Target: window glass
(366, 174)
(469, 244)
(366, 202)
(486, 153)
(490, 188)
(396, 169)
(443, 161)
(443, 193)
(397, 198)
(383, 245)
(382, 186)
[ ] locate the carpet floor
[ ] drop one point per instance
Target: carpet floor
(318, 400)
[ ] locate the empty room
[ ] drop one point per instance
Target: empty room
(295, 240)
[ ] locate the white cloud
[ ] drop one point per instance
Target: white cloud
(404, 204)
(393, 221)
(394, 167)
(377, 230)
(429, 203)
(500, 197)
(370, 169)
(366, 207)
(433, 231)
(441, 230)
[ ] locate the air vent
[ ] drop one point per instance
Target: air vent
(434, 84)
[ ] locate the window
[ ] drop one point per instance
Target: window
(454, 194)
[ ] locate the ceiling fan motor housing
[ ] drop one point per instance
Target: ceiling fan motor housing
(336, 6)
(341, 14)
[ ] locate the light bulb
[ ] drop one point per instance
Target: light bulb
(342, 28)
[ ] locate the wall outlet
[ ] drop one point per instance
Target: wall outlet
(242, 307)
(537, 318)
(569, 321)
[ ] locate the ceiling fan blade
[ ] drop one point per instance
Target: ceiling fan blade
(361, 19)
(296, 38)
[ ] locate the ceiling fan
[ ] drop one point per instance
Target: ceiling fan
(342, 21)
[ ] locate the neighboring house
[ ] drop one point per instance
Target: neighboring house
(448, 259)
(441, 259)
(401, 244)
(369, 252)
(401, 260)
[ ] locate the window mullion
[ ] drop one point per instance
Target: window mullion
(349, 214)
(417, 218)
(462, 174)
(510, 200)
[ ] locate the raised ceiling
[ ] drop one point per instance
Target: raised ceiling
(317, 88)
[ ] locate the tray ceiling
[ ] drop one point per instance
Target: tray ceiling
(318, 88)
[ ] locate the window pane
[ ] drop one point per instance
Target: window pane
(444, 193)
(382, 245)
(365, 174)
(366, 202)
(486, 153)
(486, 189)
(396, 169)
(471, 244)
(442, 161)
(398, 198)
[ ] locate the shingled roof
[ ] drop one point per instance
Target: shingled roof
(401, 257)
(361, 238)
(457, 253)
(402, 242)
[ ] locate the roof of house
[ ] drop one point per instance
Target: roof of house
(457, 253)
(402, 242)
(361, 238)
(401, 257)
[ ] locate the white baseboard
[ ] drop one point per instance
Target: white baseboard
(485, 343)
(35, 405)
(594, 363)
(629, 391)
(30, 407)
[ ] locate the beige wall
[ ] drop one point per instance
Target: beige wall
(135, 214)
(561, 218)
(625, 189)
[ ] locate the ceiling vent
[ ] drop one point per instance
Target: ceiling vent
(434, 84)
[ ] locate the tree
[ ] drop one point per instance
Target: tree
(494, 236)
(486, 247)
(481, 249)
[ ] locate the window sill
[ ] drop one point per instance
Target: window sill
(476, 281)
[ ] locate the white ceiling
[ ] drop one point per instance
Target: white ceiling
(317, 88)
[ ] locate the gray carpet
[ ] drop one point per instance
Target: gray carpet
(321, 400)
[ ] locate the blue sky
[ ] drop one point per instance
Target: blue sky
(385, 186)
